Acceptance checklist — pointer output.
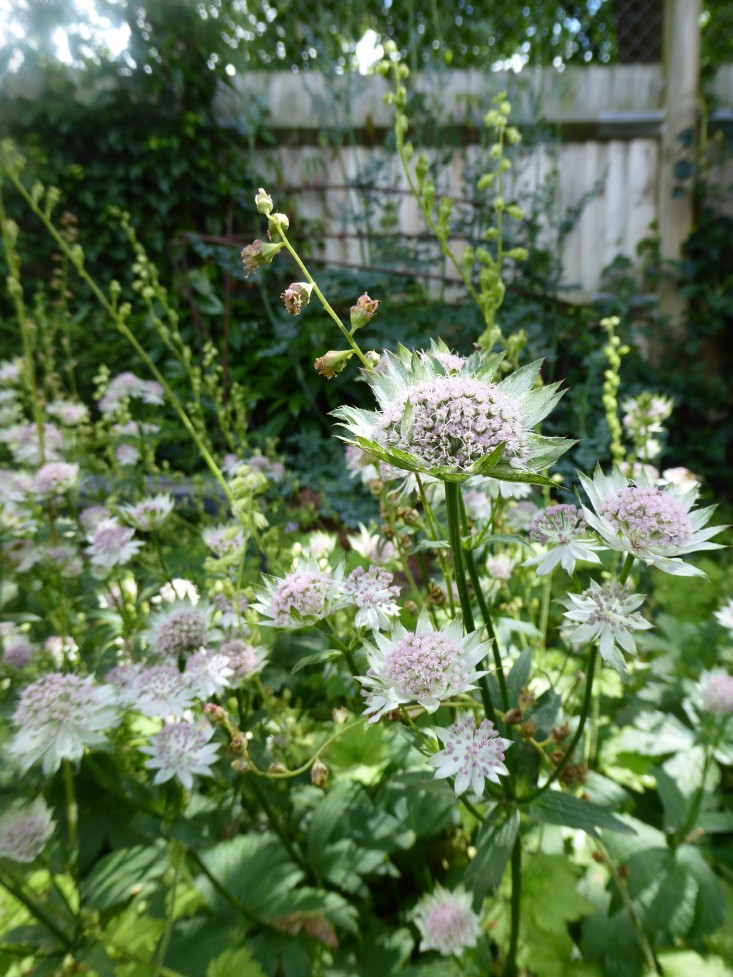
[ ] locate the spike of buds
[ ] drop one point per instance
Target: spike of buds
(333, 362)
(258, 253)
(296, 296)
(363, 311)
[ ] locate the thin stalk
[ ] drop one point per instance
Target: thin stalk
(322, 298)
(452, 497)
(342, 647)
(72, 811)
(221, 889)
(510, 966)
(177, 859)
(626, 568)
(119, 321)
(587, 699)
(37, 911)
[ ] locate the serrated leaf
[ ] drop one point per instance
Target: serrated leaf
(556, 807)
(234, 963)
(117, 877)
(493, 848)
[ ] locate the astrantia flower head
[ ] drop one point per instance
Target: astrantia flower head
(470, 755)
(373, 592)
(25, 830)
(371, 546)
(68, 412)
(178, 629)
(208, 673)
(150, 514)
(426, 666)
(111, 545)
(446, 921)
(243, 659)
(715, 692)
(454, 425)
(606, 614)
(724, 616)
(657, 524)
(182, 750)
(55, 478)
(302, 598)
(563, 529)
(160, 691)
(57, 717)
(224, 540)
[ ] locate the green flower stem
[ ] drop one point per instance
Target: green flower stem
(342, 647)
(545, 609)
(37, 911)
(125, 330)
(626, 568)
(510, 965)
(15, 289)
(587, 699)
(292, 849)
(321, 297)
(437, 534)
(489, 623)
(221, 889)
(72, 811)
(177, 857)
(287, 774)
(452, 499)
(161, 559)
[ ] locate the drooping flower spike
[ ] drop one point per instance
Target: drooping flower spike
(656, 524)
(452, 425)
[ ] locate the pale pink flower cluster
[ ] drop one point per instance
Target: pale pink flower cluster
(302, 598)
(126, 386)
(57, 717)
(55, 478)
(716, 692)
(374, 592)
(157, 690)
(24, 831)
(149, 514)
(70, 413)
(447, 922)
(181, 750)
(470, 755)
(180, 629)
(563, 528)
(208, 672)
(111, 545)
(243, 659)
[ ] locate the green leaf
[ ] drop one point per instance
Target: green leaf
(556, 807)
(519, 676)
(486, 464)
(493, 849)
(119, 876)
(255, 870)
(329, 654)
(235, 963)
(685, 963)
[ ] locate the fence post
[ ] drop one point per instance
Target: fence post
(681, 67)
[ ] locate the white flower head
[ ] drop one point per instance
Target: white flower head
(223, 540)
(426, 667)
(715, 692)
(55, 478)
(656, 524)
(57, 717)
(111, 545)
(446, 921)
(160, 691)
(500, 566)
(244, 660)
(149, 514)
(182, 750)
(208, 672)
(70, 413)
(607, 614)
(302, 598)
(724, 616)
(371, 546)
(179, 629)
(24, 831)
(454, 425)
(563, 529)
(179, 588)
(470, 755)
(373, 592)
(680, 478)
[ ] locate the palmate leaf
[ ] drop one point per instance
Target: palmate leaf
(234, 962)
(556, 807)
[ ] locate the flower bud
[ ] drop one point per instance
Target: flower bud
(372, 357)
(263, 202)
(526, 730)
(217, 714)
(363, 311)
(513, 717)
(333, 362)
(238, 744)
(296, 296)
(340, 715)
(319, 774)
(275, 222)
(240, 765)
(256, 254)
